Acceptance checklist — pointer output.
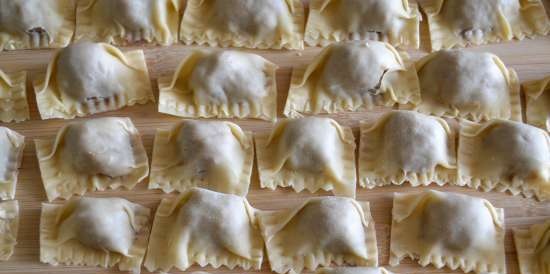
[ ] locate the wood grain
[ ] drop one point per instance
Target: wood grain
(530, 58)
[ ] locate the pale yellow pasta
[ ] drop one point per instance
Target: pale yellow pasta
(122, 22)
(209, 154)
(91, 155)
(267, 24)
(533, 248)
(537, 103)
(13, 97)
(87, 78)
(351, 76)
(394, 21)
(26, 24)
(100, 232)
(9, 226)
(353, 270)
(459, 23)
(11, 155)
(308, 153)
(448, 229)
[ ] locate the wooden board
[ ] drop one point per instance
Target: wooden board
(530, 58)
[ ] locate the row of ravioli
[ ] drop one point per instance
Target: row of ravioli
(443, 229)
(87, 78)
(306, 154)
(273, 24)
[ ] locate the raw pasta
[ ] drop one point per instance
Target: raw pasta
(394, 21)
(11, 154)
(87, 78)
(9, 225)
(448, 229)
(267, 24)
(353, 270)
(538, 103)
(94, 232)
(350, 76)
(13, 97)
(91, 155)
(533, 248)
(222, 84)
(308, 153)
(209, 154)
(207, 228)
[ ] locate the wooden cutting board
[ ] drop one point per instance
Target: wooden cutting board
(530, 58)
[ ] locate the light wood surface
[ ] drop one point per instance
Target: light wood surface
(530, 58)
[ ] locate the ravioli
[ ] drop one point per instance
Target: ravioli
(351, 76)
(537, 110)
(459, 23)
(405, 146)
(322, 231)
(11, 154)
(221, 84)
(183, 234)
(448, 229)
(26, 24)
(472, 85)
(209, 154)
(506, 156)
(13, 97)
(267, 24)
(533, 248)
(94, 232)
(308, 153)
(91, 155)
(123, 22)
(87, 78)
(394, 21)
(9, 225)
(353, 270)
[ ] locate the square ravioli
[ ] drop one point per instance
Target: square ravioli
(221, 84)
(321, 231)
(506, 156)
(210, 154)
(9, 225)
(100, 232)
(459, 23)
(537, 103)
(472, 85)
(87, 78)
(183, 235)
(26, 24)
(308, 153)
(394, 21)
(267, 24)
(406, 146)
(351, 76)
(13, 97)
(533, 248)
(12, 145)
(123, 22)
(91, 155)
(353, 270)
(448, 229)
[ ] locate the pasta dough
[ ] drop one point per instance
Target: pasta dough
(505, 155)
(222, 84)
(13, 97)
(538, 103)
(11, 154)
(268, 24)
(28, 24)
(393, 21)
(308, 153)
(87, 78)
(214, 155)
(533, 248)
(471, 85)
(94, 232)
(448, 229)
(473, 22)
(353, 270)
(124, 22)
(320, 232)
(90, 155)
(183, 234)
(405, 146)
(353, 75)
(9, 225)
